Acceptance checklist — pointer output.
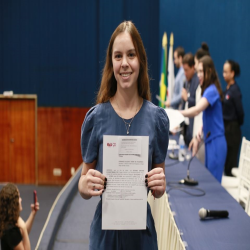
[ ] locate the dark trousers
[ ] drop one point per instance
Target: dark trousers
(233, 138)
(188, 131)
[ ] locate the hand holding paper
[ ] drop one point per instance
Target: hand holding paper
(96, 182)
(156, 181)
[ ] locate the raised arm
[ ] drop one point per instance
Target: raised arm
(29, 222)
(199, 107)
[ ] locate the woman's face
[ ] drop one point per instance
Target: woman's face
(228, 74)
(20, 203)
(125, 62)
(200, 73)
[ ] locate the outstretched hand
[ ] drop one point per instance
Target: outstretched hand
(156, 181)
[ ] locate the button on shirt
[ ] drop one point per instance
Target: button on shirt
(232, 104)
(178, 85)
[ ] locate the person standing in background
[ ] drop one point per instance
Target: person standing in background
(179, 79)
(213, 127)
(188, 94)
(203, 51)
(233, 114)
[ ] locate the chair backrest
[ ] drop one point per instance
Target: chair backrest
(244, 163)
(244, 177)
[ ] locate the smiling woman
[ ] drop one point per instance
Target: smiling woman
(125, 63)
(108, 84)
(123, 108)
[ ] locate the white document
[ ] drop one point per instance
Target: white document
(125, 163)
(175, 119)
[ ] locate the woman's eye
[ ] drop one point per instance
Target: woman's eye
(118, 56)
(131, 55)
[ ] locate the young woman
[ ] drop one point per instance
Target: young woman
(213, 127)
(233, 114)
(13, 230)
(123, 108)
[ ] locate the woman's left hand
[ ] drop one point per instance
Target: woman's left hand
(34, 207)
(156, 181)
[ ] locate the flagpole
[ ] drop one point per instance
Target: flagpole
(164, 46)
(163, 74)
(171, 77)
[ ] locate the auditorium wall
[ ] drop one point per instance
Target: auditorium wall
(223, 24)
(56, 50)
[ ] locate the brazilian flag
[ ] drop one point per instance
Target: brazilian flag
(163, 75)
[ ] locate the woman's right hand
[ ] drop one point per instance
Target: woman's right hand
(91, 183)
(96, 182)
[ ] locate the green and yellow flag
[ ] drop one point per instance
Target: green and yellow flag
(163, 75)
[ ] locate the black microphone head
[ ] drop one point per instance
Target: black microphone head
(202, 213)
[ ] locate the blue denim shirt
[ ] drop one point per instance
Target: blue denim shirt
(178, 85)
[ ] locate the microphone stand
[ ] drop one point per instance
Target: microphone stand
(188, 181)
(172, 155)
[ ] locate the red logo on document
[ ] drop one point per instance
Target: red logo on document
(111, 144)
(227, 97)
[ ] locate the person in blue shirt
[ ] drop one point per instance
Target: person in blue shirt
(202, 51)
(233, 114)
(123, 108)
(213, 126)
(179, 80)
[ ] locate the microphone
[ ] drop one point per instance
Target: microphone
(204, 213)
(188, 181)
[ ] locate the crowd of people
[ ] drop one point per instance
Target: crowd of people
(211, 114)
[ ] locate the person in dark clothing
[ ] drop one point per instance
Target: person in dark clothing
(188, 94)
(233, 114)
(13, 230)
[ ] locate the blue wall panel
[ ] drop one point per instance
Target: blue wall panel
(56, 49)
(223, 24)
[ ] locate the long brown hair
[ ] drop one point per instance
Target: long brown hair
(108, 84)
(210, 75)
(9, 206)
